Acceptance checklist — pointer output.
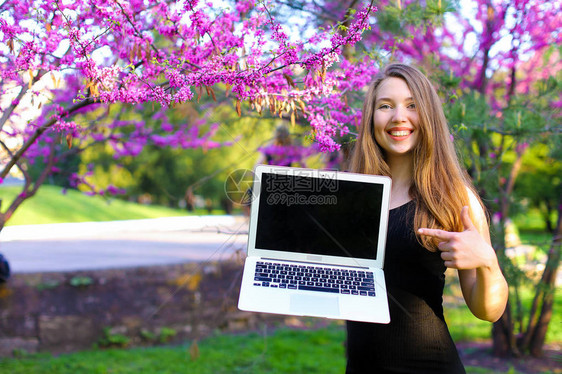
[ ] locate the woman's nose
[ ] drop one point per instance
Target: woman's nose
(399, 114)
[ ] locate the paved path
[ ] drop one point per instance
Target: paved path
(117, 244)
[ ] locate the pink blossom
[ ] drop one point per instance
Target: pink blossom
(521, 147)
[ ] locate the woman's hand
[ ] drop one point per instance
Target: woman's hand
(483, 286)
(463, 250)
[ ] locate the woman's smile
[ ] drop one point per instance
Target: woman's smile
(399, 133)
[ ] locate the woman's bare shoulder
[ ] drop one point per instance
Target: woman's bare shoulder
(477, 212)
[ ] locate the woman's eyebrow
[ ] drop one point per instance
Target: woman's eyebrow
(389, 99)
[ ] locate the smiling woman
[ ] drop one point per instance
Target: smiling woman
(436, 221)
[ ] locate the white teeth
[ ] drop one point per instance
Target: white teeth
(399, 133)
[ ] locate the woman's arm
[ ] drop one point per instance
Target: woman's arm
(470, 251)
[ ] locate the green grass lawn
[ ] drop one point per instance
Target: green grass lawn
(282, 351)
(465, 327)
(532, 220)
(50, 205)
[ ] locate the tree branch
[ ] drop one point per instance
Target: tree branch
(39, 132)
(23, 91)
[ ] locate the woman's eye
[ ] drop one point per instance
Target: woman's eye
(412, 106)
(384, 106)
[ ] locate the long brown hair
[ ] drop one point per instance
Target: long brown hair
(439, 185)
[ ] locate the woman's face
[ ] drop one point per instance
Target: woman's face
(396, 118)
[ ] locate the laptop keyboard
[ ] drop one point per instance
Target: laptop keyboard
(314, 278)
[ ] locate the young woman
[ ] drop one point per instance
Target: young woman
(436, 221)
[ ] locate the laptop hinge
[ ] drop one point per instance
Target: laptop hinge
(316, 263)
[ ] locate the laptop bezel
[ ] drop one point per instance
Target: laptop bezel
(304, 257)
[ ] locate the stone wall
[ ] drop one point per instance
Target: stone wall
(64, 312)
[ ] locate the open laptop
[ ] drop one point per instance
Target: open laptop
(316, 244)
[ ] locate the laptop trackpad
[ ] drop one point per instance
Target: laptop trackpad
(315, 305)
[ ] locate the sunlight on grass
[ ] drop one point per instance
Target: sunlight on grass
(50, 205)
(464, 326)
(282, 351)
(533, 220)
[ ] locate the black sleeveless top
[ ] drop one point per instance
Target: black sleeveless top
(417, 339)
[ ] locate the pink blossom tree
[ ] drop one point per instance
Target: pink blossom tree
(62, 59)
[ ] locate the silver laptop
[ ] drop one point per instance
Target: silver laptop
(316, 244)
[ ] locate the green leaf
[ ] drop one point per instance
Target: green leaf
(79, 281)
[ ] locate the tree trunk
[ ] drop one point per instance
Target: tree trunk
(504, 343)
(534, 337)
(503, 340)
(547, 221)
(538, 338)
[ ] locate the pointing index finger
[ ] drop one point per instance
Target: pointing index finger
(435, 233)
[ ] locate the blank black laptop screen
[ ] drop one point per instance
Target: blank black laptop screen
(307, 214)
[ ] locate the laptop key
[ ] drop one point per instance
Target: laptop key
(322, 289)
(262, 279)
(365, 288)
